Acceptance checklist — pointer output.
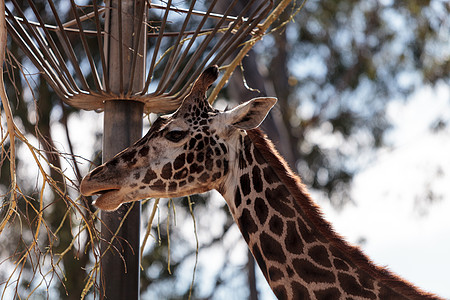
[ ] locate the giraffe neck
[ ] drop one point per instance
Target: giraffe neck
(297, 250)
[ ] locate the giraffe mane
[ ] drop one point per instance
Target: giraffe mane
(312, 210)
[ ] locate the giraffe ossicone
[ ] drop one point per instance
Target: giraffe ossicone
(199, 148)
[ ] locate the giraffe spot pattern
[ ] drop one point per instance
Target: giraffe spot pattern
(274, 198)
(192, 143)
(336, 253)
(166, 171)
(320, 255)
(223, 147)
(195, 169)
(386, 293)
(328, 294)
(217, 151)
(209, 161)
(181, 174)
(247, 224)
(200, 146)
(311, 273)
(290, 272)
(200, 157)
(340, 264)
(245, 184)
(129, 155)
(225, 167)
(351, 286)
(190, 157)
(216, 176)
(280, 292)
(149, 176)
(144, 150)
(259, 259)
(276, 225)
(247, 147)
(365, 280)
(299, 291)
(275, 274)
(204, 177)
(242, 162)
(261, 210)
(293, 242)
(172, 186)
(271, 248)
(257, 181)
(258, 157)
(159, 185)
(237, 198)
(269, 175)
(179, 162)
(306, 234)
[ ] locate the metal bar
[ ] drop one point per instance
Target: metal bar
(119, 20)
(92, 14)
(18, 38)
(99, 11)
(137, 43)
(59, 63)
(193, 60)
(100, 46)
(188, 66)
(163, 82)
(68, 47)
(119, 273)
(26, 43)
(97, 82)
(96, 32)
(245, 30)
(222, 44)
(194, 12)
(244, 50)
(165, 78)
(156, 50)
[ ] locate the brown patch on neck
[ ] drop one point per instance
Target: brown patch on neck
(314, 214)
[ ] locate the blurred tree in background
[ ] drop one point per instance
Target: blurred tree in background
(334, 68)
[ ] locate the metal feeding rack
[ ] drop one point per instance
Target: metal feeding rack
(126, 58)
(176, 42)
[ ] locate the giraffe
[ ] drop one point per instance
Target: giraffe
(199, 148)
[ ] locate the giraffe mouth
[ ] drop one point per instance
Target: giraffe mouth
(108, 199)
(102, 192)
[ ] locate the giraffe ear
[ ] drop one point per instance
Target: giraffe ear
(250, 114)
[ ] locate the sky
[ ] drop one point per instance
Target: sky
(402, 228)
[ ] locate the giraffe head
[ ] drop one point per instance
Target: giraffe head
(184, 153)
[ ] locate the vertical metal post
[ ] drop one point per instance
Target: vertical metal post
(120, 264)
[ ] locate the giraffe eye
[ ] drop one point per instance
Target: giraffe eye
(175, 135)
